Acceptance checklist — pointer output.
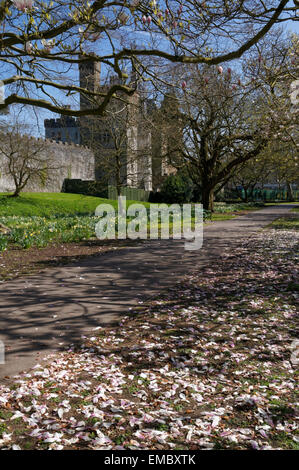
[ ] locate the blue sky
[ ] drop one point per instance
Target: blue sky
(290, 26)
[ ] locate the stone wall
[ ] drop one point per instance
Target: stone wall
(70, 161)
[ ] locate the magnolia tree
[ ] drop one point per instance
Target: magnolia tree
(274, 72)
(42, 43)
(230, 117)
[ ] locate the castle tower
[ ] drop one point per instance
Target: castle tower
(95, 131)
(89, 77)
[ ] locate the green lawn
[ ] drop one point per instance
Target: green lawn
(279, 203)
(286, 223)
(224, 211)
(208, 364)
(52, 204)
(217, 217)
(60, 204)
(38, 219)
(289, 222)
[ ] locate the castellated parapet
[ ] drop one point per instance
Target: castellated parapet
(69, 160)
(64, 129)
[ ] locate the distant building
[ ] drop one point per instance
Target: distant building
(142, 165)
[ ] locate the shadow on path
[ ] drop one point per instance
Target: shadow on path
(41, 313)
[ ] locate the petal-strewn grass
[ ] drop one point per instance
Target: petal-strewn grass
(211, 364)
(289, 222)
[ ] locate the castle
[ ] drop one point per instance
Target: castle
(126, 146)
(70, 160)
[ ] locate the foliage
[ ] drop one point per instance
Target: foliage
(176, 188)
(224, 208)
(231, 116)
(3, 242)
(88, 188)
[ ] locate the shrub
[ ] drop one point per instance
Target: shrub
(175, 189)
(88, 188)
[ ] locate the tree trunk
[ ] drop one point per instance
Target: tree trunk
(239, 192)
(290, 193)
(207, 198)
(16, 193)
(118, 189)
(251, 193)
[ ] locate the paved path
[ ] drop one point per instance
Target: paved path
(40, 313)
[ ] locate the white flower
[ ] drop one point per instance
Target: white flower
(28, 47)
(48, 45)
(23, 5)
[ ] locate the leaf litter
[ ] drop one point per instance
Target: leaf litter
(205, 366)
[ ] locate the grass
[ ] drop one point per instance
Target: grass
(223, 211)
(279, 203)
(219, 217)
(52, 204)
(59, 204)
(39, 219)
(41, 231)
(289, 222)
